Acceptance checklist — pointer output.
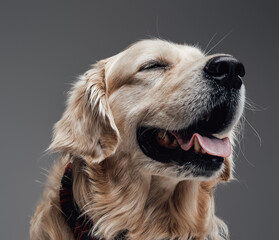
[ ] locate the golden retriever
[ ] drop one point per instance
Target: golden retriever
(148, 133)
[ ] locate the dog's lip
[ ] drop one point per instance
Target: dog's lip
(148, 143)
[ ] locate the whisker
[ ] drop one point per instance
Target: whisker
(157, 26)
(242, 152)
(149, 111)
(39, 182)
(250, 105)
(222, 39)
(255, 131)
(209, 42)
(168, 127)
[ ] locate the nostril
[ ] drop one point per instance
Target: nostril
(240, 70)
(219, 66)
(225, 70)
(222, 68)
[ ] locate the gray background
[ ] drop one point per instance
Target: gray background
(44, 45)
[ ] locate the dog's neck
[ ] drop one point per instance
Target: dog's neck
(164, 191)
(146, 205)
(161, 188)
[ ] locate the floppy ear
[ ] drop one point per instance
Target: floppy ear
(87, 128)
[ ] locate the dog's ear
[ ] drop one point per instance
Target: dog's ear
(87, 128)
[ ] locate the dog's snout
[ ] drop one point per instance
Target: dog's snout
(226, 71)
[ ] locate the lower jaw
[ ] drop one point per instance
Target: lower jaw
(199, 164)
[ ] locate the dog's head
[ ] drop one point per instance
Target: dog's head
(170, 107)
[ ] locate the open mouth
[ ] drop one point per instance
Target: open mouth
(191, 147)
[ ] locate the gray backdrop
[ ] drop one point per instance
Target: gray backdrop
(44, 45)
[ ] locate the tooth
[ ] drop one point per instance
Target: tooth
(166, 139)
(196, 145)
(174, 144)
(160, 134)
(203, 151)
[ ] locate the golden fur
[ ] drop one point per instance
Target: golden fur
(115, 184)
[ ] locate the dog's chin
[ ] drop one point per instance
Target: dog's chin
(164, 146)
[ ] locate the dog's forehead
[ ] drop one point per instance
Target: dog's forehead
(152, 49)
(162, 49)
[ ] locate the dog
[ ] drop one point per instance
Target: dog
(148, 134)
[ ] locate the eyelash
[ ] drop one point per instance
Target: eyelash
(152, 65)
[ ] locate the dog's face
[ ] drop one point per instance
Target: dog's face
(170, 107)
(162, 94)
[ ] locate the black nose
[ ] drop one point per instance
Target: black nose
(226, 71)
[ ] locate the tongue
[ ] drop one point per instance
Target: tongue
(212, 146)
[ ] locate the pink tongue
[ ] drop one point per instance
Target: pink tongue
(212, 146)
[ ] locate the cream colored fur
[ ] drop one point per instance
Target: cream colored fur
(115, 184)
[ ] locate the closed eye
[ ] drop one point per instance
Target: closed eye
(153, 65)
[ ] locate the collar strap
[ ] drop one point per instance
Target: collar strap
(79, 224)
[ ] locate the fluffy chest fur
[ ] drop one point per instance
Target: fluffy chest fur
(124, 199)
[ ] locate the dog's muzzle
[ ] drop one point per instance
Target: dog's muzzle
(195, 147)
